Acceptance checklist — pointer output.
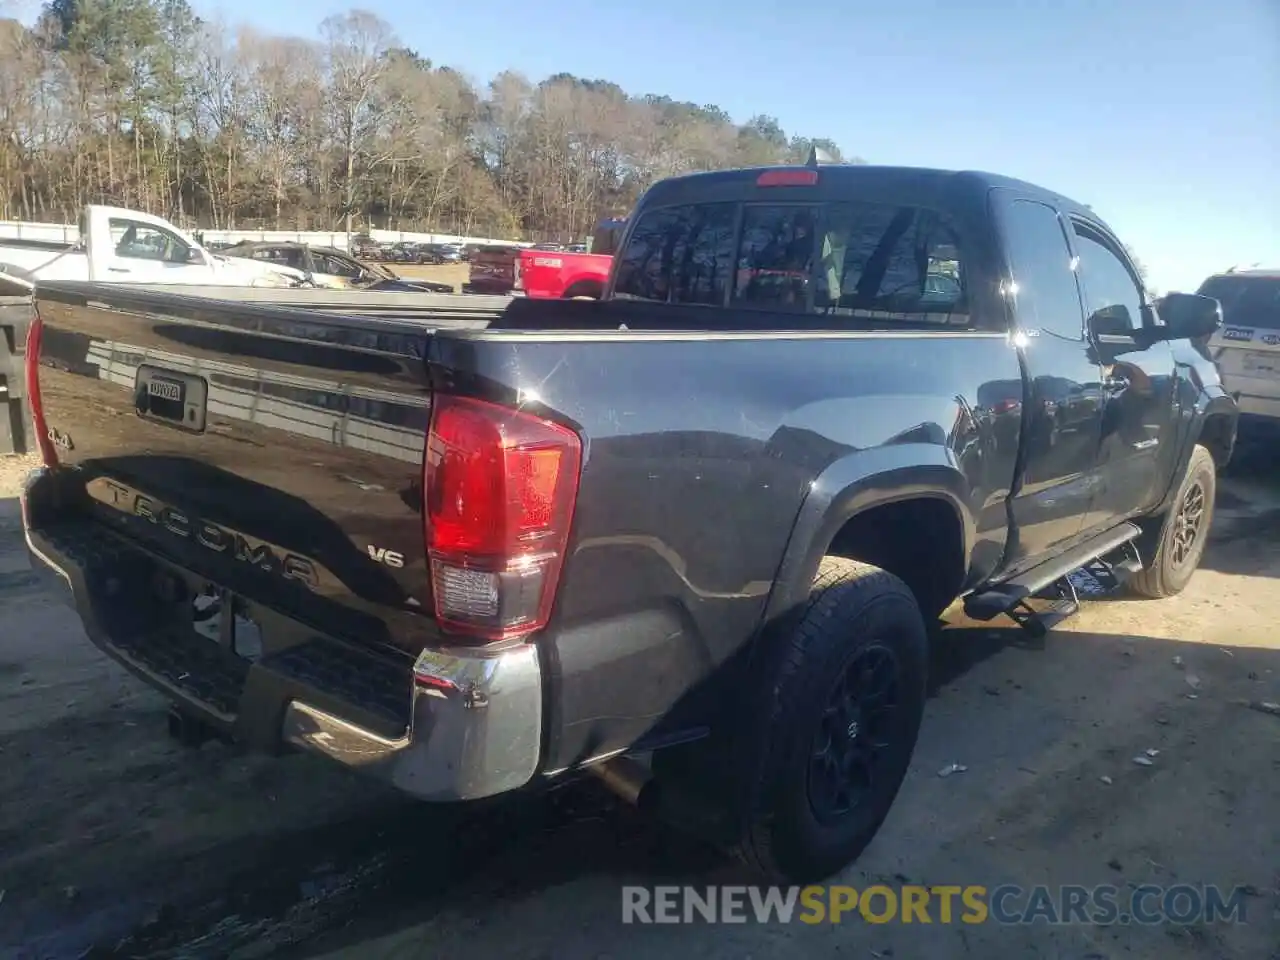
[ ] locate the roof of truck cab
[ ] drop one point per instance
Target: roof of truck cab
(1269, 273)
(286, 245)
(291, 244)
(915, 181)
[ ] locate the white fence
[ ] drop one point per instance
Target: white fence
(69, 233)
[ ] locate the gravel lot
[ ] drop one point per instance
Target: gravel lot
(454, 273)
(118, 843)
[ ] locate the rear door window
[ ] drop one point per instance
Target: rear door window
(1046, 292)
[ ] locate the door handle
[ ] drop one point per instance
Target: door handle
(118, 270)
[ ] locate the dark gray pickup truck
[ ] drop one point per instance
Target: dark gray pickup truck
(688, 537)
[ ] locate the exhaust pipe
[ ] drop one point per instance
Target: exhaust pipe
(668, 802)
(628, 778)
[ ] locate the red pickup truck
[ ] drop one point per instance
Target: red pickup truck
(547, 274)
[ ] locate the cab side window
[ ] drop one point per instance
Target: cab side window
(1113, 298)
(142, 241)
(681, 254)
(1044, 281)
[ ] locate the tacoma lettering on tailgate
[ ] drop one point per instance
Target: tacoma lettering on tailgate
(265, 556)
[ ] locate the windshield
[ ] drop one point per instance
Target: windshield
(1246, 301)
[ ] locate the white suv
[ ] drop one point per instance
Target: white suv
(1247, 345)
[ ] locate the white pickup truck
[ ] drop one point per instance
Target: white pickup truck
(125, 246)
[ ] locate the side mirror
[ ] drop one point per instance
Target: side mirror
(1189, 316)
(1111, 322)
(195, 255)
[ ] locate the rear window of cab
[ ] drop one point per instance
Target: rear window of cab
(857, 259)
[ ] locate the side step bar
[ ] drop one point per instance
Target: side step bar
(1011, 597)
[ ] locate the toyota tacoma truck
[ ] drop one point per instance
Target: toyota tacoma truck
(688, 537)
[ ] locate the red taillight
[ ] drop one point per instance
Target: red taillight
(35, 336)
(500, 487)
(787, 178)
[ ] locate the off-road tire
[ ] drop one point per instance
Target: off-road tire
(1163, 575)
(853, 609)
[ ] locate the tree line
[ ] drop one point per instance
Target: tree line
(140, 103)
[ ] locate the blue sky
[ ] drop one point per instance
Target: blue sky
(1164, 115)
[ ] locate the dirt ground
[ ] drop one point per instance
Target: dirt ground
(116, 842)
(454, 273)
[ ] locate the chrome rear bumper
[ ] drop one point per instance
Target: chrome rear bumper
(473, 725)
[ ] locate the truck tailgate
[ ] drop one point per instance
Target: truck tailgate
(276, 452)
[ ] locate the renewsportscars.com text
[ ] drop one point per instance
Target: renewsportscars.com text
(973, 904)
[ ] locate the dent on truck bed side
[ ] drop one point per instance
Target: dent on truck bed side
(702, 453)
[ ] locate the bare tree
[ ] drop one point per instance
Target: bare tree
(357, 46)
(140, 102)
(284, 77)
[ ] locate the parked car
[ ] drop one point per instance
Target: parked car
(493, 270)
(403, 252)
(686, 538)
(1247, 348)
(364, 247)
(330, 267)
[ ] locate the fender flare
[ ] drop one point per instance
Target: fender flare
(852, 485)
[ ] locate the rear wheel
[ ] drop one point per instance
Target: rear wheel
(840, 701)
(584, 291)
(1178, 545)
